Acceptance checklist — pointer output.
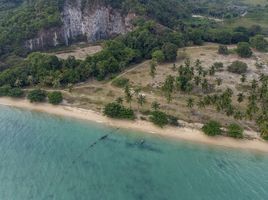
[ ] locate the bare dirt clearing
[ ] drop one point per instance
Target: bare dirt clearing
(79, 52)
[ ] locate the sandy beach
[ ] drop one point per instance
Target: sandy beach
(181, 133)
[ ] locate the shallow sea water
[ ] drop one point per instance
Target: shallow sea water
(44, 157)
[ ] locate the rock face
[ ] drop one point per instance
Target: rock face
(88, 23)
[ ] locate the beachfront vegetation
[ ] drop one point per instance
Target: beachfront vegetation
(212, 128)
(194, 87)
(159, 118)
(118, 111)
(55, 98)
(37, 95)
(11, 92)
(235, 131)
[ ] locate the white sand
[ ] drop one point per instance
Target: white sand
(187, 134)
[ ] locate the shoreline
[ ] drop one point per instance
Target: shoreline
(179, 133)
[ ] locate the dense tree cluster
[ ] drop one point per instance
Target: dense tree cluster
(46, 70)
(116, 110)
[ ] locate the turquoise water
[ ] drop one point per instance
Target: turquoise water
(43, 157)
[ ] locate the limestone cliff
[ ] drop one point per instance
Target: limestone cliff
(82, 22)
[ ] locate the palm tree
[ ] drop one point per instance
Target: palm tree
(201, 104)
(152, 69)
(212, 71)
(174, 68)
(155, 105)
(254, 84)
(128, 95)
(168, 87)
(238, 115)
(190, 103)
(137, 91)
(205, 73)
(119, 100)
(240, 97)
(141, 99)
(197, 80)
(200, 70)
(243, 78)
(219, 81)
(197, 63)
(205, 85)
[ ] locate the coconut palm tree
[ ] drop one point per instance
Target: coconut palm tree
(155, 105)
(168, 87)
(240, 97)
(243, 78)
(128, 95)
(190, 103)
(153, 69)
(141, 99)
(218, 81)
(197, 80)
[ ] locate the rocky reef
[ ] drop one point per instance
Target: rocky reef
(89, 22)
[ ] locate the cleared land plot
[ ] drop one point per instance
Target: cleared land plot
(94, 95)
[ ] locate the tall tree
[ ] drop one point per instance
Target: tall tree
(128, 95)
(168, 87)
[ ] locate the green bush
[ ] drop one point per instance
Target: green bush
(170, 51)
(37, 96)
(212, 128)
(16, 92)
(264, 130)
(4, 90)
(172, 120)
(243, 50)
(259, 42)
(218, 66)
(159, 56)
(55, 98)
(238, 67)
(159, 118)
(223, 50)
(11, 92)
(120, 82)
(115, 110)
(234, 130)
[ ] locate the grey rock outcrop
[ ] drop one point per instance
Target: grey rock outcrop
(88, 23)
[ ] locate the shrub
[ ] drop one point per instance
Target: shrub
(172, 120)
(11, 92)
(37, 95)
(4, 90)
(15, 92)
(170, 51)
(218, 66)
(212, 128)
(223, 50)
(264, 130)
(234, 130)
(243, 50)
(121, 82)
(55, 98)
(238, 67)
(159, 56)
(115, 110)
(159, 118)
(259, 42)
